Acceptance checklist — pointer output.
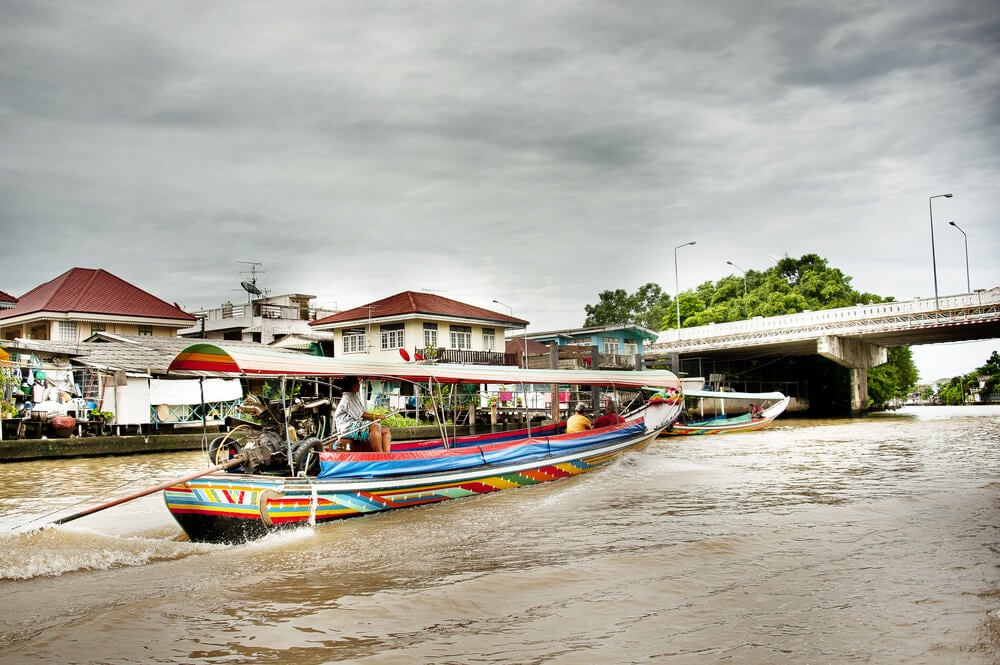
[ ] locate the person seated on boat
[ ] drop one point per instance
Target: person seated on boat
(756, 413)
(610, 416)
(578, 422)
(350, 418)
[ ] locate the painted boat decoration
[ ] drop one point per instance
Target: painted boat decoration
(280, 483)
(761, 410)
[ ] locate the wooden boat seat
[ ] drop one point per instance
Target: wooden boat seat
(352, 445)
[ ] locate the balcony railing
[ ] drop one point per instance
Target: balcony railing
(582, 357)
(467, 357)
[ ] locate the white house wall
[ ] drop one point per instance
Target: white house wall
(413, 331)
(130, 402)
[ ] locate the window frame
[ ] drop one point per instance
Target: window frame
(354, 340)
(460, 337)
(430, 335)
(68, 331)
(392, 336)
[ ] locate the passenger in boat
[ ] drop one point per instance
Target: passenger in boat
(756, 413)
(578, 422)
(350, 418)
(610, 416)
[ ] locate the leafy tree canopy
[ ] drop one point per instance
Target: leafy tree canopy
(793, 285)
(956, 390)
(646, 307)
(790, 286)
(893, 380)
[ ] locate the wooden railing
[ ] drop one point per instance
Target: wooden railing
(582, 357)
(467, 357)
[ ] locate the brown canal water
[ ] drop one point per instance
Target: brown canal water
(874, 540)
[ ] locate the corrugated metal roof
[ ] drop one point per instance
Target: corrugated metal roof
(132, 353)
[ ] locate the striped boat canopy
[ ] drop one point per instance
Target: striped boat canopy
(204, 359)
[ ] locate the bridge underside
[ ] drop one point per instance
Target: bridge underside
(854, 337)
(857, 353)
(809, 346)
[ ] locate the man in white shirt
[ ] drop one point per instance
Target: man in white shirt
(350, 418)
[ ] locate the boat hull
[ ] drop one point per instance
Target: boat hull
(231, 508)
(730, 426)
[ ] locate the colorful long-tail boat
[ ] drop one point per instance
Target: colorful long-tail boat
(276, 479)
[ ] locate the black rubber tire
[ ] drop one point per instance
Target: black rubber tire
(223, 448)
(301, 458)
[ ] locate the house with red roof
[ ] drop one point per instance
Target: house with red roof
(84, 301)
(412, 325)
(6, 300)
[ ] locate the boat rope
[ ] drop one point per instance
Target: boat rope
(204, 416)
(434, 406)
(288, 431)
(527, 414)
(313, 503)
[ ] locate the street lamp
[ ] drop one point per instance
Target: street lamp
(677, 283)
(744, 275)
(968, 282)
(511, 311)
(930, 202)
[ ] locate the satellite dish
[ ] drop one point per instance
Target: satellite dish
(250, 287)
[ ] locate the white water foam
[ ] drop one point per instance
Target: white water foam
(57, 551)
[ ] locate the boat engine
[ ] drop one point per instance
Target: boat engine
(266, 447)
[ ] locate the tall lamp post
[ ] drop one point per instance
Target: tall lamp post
(930, 205)
(968, 282)
(677, 283)
(511, 311)
(744, 275)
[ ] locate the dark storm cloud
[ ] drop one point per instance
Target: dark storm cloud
(534, 153)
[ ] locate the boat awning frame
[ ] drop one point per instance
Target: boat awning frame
(204, 359)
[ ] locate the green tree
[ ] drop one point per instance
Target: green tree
(893, 380)
(646, 307)
(954, 391)
(992, 370)
(790, 286)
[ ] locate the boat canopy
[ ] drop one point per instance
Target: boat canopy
(205, 359)
(734, 395)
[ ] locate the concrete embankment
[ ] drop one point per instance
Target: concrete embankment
(20, 450)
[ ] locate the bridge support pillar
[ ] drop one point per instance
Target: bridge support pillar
(858, 356)
(859, 390)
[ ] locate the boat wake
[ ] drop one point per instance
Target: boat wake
(57, 551)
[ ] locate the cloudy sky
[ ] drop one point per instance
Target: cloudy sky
(533, 153)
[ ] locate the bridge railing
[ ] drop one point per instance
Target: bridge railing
(805, 324)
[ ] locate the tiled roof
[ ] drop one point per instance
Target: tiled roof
(416, 302)
(516, 345)
(6, 297)
(94, 291)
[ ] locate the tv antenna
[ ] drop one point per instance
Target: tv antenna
(250, 285)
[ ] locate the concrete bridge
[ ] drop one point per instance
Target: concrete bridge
(856, 337)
